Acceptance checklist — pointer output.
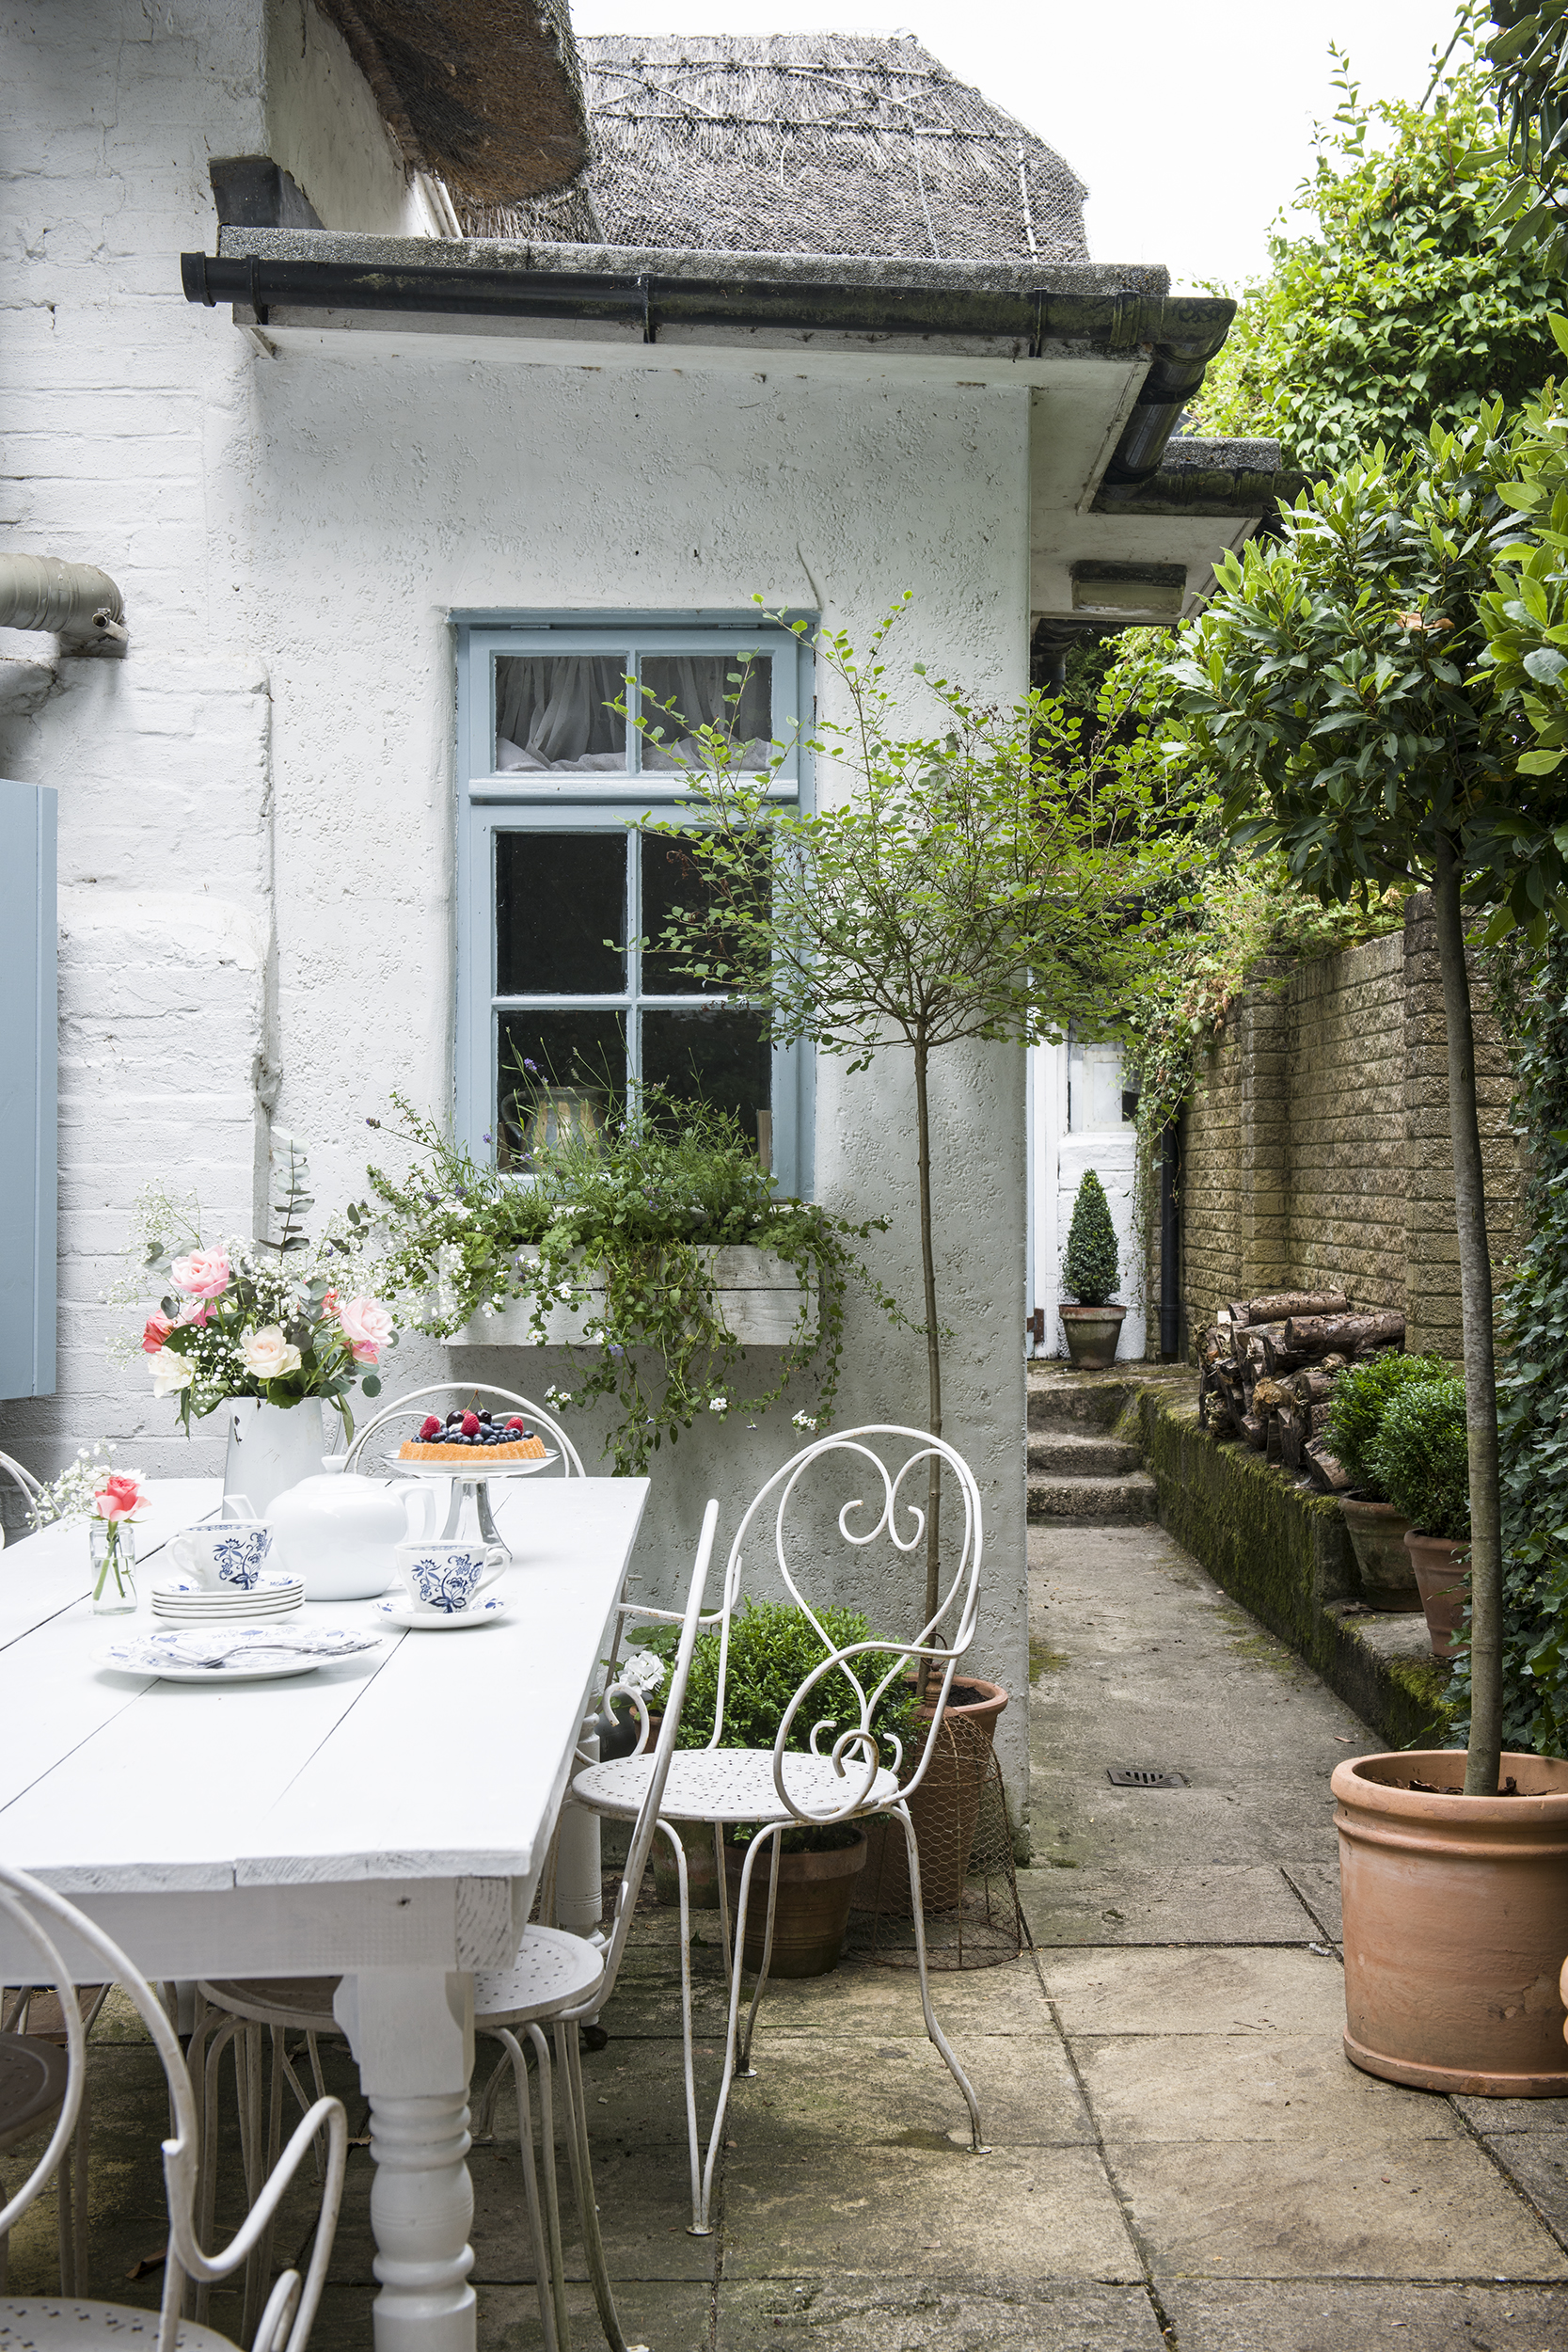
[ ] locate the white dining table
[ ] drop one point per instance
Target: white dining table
(384, 1818)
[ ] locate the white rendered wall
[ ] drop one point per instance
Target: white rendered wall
(1059, 1154)
(256, 814)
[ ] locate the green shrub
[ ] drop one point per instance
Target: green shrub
(1361, 1396)
(1419, 1456)
(1090, 1266)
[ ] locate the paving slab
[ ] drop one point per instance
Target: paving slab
(1311, 2208)
(1365, 2317)
(1222, 1991)
(861, 1996)
(1251, 2087)
(814, 2089)
(922, 2316)
(1020, 2213)
(1221, 1904)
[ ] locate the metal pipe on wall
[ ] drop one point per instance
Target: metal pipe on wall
(1170, 1247)
(44, 592)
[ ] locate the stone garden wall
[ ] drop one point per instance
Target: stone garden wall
(1315, 1149)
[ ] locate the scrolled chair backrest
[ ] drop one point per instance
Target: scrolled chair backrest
(25, 1903)
(400, 1409)
(855, 1751)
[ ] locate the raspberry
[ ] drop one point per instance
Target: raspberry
(470, 1424)
(430, 1427)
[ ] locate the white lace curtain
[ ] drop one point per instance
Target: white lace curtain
(552, 709)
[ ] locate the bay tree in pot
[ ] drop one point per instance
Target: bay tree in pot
(1376, 1526)
(1089, 1270)
(1420, 1456)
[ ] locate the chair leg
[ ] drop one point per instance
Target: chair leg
(723, 1876)
(82, 2263)
(976, 2141)
(552, 2196)
(692, 2141)
(570, 2054)
(743, 2057)
(545, 2272)
(482, 2121)
(207, 2056)
(705, 2226)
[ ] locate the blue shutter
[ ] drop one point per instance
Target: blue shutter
(28, 1151)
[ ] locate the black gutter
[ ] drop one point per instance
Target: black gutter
(1184, 332)
(1170, 1245)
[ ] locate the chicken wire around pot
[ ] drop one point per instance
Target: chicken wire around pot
(967, 1880)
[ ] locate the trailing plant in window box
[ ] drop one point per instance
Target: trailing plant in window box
(617, 1226)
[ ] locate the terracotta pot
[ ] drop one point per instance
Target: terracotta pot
(814, 1892)
(1093, 1335)
(1377, 1533)
(1442, 1572)
(702, 1870)
(1456, 1922)
(944, 1809)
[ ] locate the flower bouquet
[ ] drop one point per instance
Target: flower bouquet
(277, 1321)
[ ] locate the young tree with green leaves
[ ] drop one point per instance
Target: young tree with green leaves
(1338, 679)
(982, 882)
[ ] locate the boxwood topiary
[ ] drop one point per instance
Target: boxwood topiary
(1420, 1456)
(1361, 1396)
(1090, 1265)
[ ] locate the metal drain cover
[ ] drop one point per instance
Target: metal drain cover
(1144, 1777)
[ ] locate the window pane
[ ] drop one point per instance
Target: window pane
(672, 879)
(555, 1072)
(1095, 1098)
(559, 898)
(551, 715)
(730, 690)
(718, 1055)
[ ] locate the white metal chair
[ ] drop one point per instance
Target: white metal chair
(43, 1919)
(560, 1980)
(780, 1787)
(32, 1493)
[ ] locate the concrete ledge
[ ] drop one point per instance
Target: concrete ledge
(1285, 1555)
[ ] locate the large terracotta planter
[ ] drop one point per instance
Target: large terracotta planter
(1456, 1923)
(944, 1809)
(1093, 1335)
(1442, 1573)
(813, 1911)
(1377, 1533)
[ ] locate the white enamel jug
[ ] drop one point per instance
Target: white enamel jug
(341, 1531)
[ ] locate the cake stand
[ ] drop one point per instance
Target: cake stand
(468, 1511)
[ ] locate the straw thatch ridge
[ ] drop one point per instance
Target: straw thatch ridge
(801, 143)
(485, 94)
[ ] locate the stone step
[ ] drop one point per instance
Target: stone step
(1081, 1400)
(1111, 1502)
(1067, 1454)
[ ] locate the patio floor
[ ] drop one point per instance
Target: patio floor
(1181, 2156)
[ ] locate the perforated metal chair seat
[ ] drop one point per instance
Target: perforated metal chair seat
(552, 1971)
(33, 2079)
(46, 2322)
(729, 1784)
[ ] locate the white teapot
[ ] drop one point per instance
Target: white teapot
(341, 1531)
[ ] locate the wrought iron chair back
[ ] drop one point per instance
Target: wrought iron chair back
(856, 1748)
(32, 1493)
(402, 1408)
(27, 1903)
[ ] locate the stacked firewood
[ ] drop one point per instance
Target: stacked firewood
(1268, 1367)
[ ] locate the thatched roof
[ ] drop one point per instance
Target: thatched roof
(484, 94)
(803, 143)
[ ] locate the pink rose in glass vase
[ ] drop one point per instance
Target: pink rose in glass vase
(204, 1273)
(367, 1326)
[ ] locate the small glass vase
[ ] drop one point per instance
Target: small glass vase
(113, 1549)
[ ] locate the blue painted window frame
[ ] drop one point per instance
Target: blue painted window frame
(489, 802)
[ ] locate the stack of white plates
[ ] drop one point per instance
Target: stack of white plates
(181, 1599)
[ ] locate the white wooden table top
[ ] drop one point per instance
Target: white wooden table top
(439, 1756)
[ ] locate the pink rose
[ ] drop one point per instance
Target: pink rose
(204, 1273)
(198, 1313)
(367, 1326)
(121, 1497)
(154, 1332)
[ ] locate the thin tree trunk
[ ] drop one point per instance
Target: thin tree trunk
(933, 1345)
(1481, 1385)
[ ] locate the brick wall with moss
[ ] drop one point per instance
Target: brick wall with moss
(1315, 1150)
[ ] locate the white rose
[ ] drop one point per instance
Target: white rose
(267, 1355)
(170, 1372)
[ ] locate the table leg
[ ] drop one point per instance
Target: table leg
(412, 2035)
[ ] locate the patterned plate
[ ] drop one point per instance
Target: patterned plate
(240, 1653)
(270, 1582)
(402, 1613)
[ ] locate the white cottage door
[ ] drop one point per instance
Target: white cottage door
(1078, 1118)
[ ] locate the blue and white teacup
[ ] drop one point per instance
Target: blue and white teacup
(443, 1579)
(227, 1556)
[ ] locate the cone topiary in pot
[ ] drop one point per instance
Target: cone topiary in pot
(1089, 1269)
(1376, 1529)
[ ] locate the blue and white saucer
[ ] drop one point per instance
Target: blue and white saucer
(272, 1595)
(399, 1611)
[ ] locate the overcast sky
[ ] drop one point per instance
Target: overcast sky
(1190, 127)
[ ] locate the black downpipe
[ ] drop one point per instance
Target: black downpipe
(1170, 1246)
